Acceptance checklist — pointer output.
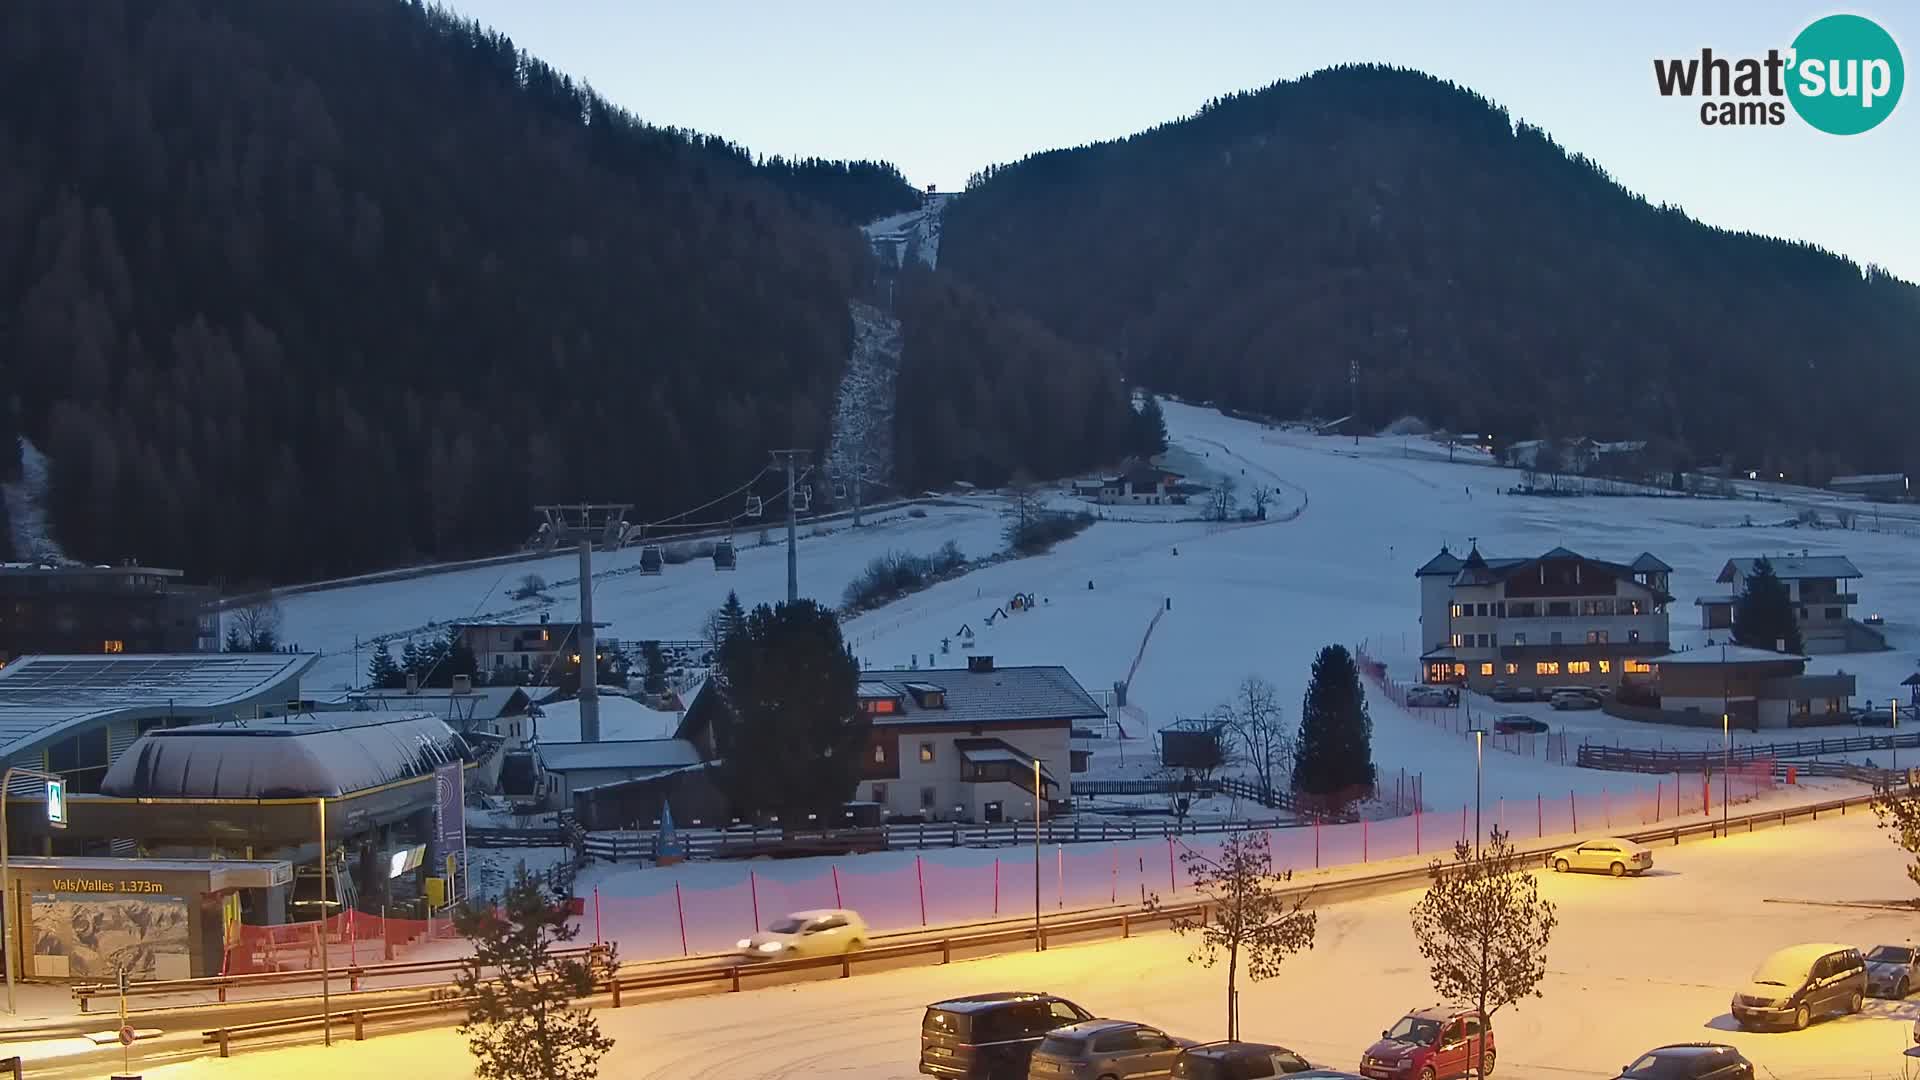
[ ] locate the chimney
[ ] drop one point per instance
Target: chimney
(463, 684)
(413, 682)
(979, 663)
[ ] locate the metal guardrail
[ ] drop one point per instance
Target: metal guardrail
(730, 973)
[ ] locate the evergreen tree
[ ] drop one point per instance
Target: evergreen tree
(523, 1019)
(794, 738)
(1333, 756)
(655, 681)
(383, 673)
(234, 643)
(1150, 428)
(459, 658)
(1763, 616)
(410, 661)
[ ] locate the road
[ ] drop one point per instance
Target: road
(1634, 963)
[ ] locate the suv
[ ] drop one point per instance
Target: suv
(1503, 691)
(1575, 699)
(1237, 1061)
(1432, 696)
(1798, 983)
(1437, 1043)
(990, 1036)
(1690, 1061)
(1106, 1050)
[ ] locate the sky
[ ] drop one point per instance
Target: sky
(942, 90)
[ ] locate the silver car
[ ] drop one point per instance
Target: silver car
(1105, 1050)
(1892, 971)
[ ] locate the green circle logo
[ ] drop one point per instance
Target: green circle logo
(1846, 75)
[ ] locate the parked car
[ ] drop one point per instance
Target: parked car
(1871, 716)
(1105, 1050)
(1520, 725)
(1605, 856)
(1575, 699)
(1800, 982)
(990, 1036)
(1435, 1043)
(1432, 697)
(1502, 691)
(1240, 1061)
(1690, 1061)
(807, 933)
(1892, 970)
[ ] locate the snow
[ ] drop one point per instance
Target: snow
(620, 718)
(26, 501)
(1633, 964)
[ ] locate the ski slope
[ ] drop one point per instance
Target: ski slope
(1633, 964)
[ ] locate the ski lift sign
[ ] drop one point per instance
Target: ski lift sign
(57, 803)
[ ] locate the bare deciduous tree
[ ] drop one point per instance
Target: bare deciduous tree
(1483, 930)
(1255, 718)
(257, 623)
(1221, 499)
(1253, 922)
(530, 586)
(1898, 809)
(1261, 495)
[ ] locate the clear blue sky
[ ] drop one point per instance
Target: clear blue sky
(943, 89)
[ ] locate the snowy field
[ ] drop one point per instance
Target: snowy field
(1635, 963)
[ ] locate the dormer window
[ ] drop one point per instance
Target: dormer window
(927, 695)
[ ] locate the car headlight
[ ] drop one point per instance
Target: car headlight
(771, 947)
(744, 943)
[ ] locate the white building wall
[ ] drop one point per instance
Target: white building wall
(942, 775)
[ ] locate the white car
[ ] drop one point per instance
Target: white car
(1431, 697)
(828, 932)
(1605, 856)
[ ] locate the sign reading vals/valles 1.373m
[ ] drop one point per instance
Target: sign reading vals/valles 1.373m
(85, 885)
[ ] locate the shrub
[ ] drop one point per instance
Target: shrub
(1041, 531)
(917, 512)
(897, 573)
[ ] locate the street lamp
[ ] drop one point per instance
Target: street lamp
(9, 954)
(1894, 743)
(1479, 759)
(1038, 941)
(1726, 767)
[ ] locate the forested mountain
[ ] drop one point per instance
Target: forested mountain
(293, 289)
(857, 191)
(986, 392)
(1480, 276)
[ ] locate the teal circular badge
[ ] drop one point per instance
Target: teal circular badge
(1846, 75)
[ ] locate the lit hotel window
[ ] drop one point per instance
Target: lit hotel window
(113, 645)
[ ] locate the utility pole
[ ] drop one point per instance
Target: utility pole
(1353, 396)
(788, 457)
(589, 651)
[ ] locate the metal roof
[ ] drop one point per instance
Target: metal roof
(46, 696)
(625, 754)
(481, 703)
(321, 754)
(1001, 695)
(1727, 654)
(1444, 563)
(1793, 567)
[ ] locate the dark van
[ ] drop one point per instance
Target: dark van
(990, 1036)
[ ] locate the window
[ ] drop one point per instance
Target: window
(1500, 610)
(1832, 613)
(1513, 668)
(1459, 640)
(1484, 641)
(1458, 611)
(1596, 607)
(880, 794)
(545, 636)
(1802, 707)
(1486, 669)
(926, 753)
(1555, 637)
(1636, 667)
(1062, 1011)
(1605, 666)
(1633, 636)
(1632, 607)
(927, 796)
(1523, 611)
(1113, 1042)
(1579, 667)
(1519, 639)
(1833, 706)
(1596, 637)
(1546, 667)
(879, 753)
(1480, 610)
(113, 645)
(880, 705)
(1460, 670)
(1559, 607)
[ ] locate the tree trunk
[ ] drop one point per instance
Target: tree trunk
(1233, 964)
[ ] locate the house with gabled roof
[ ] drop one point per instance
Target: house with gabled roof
(1817, 586)
(1556, 619)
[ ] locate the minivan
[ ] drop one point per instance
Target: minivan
(991, 1036)
(1801, 982)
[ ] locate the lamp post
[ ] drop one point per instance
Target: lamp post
(1479, 759)
(1726, 767)
(1038, 942)
(8, 916)
(1894, 748)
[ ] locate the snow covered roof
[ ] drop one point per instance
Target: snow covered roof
(1867, 478)
(1792, 567)
(1477, 570)
(621, 718)
(990, 751)
(1647, 564)
(485, 703)
(47, 697)
(1728, 654)
(1002, 694)
(1444, 563)
(637, 754)
(322, 754)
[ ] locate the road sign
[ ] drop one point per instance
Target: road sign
(57, 803)
(126, 1036)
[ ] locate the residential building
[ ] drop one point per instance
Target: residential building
(1877, 486)
(1821, 601)
(103, 610)
(542, 649)
(573, 767)
(1754, 688)
(1556, 620)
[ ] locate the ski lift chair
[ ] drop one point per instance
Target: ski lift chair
(754, 506)
(802, 498)
(651, 559)
(723, 557)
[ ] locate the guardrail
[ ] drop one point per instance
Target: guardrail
(733, 975)
(1779, 751)
(355, 976)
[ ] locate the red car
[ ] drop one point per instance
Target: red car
(1438, 1043)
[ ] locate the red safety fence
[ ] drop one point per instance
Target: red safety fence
(350, 938)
